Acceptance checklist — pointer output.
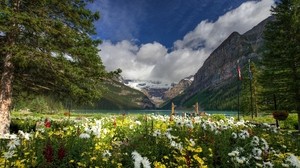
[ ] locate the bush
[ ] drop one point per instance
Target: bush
(21, 124)
(291, 122)
(218, 117)
(39, 104)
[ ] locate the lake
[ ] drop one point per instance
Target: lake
(160, 112)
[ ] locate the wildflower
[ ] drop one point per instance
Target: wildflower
(156, 133)
(13, 136)
(192, 142)
(240, 160)
(255, 141)
(179, 123)
(234, 153)
(258, 165)
(244, 134)
(234, 135)
(106, 154)
(84, 136)
(256, 152)
(48, 152)
(9, 154)
(293, 160)
(47, 123)
(265, 144)
(146, 163)
(268, 164)
(25, 135)
(137, 159)
(61, 152)
(138, 123)
(189, 124)
(12, 144)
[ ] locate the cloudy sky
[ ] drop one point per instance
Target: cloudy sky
(168, 40)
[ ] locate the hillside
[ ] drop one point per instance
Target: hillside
(120, 97)
(215, 83)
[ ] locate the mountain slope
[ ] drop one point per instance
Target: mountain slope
(215, 83)
(120, 97)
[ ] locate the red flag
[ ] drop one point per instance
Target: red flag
(239, 72)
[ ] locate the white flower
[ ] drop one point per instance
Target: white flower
(106, 154)
(240, 160)
(244, 134)
(25, 135)
(156, 133)
(256, 151)
(293, 160)
(234, 153)
(8, 155)
(84, 136)
(146, 163)
(264, 142)
(12, 144)
(259, 165)
(234, 135)
(255, 141)
(13, 136)
(168, 135)
(138, 122)
(189, 124)
(268, 164)
(192, 142)
(179, 123)
(137, 159)
(285, 165)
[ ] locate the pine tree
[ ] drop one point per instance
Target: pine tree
(46, 48)
(280, 78)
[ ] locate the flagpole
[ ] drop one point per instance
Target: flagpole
(239, 78)
(251, 98)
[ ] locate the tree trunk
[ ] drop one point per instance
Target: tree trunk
(6, 93)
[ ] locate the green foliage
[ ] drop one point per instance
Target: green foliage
(112, 140)
(281, 62)
(51, 49)
(20, 124)
(290, 123)
(218, 117)
(38, 104)
(120, 97)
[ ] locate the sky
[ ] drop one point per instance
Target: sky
(168, 40)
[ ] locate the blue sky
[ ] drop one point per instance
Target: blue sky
(169, 39)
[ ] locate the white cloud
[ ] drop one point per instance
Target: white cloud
(152, 61)
(211, 34)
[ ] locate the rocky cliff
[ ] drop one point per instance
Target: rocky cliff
(178, 88)
(219, 71)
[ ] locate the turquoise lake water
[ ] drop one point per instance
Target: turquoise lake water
(160, 112)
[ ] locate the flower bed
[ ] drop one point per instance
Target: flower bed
(151, 141)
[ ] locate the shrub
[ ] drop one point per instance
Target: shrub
(21, 124)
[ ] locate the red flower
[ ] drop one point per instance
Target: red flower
(48, 152)
(61, 152)
(47, 123)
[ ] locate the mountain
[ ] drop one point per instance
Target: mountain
(215, 83)
(120, 97)
(154, 90)
(178, 88)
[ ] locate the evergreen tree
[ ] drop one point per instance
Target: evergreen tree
(46, 48)
(280, 77)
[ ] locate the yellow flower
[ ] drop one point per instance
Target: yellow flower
(159, 165)
(200, 161)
